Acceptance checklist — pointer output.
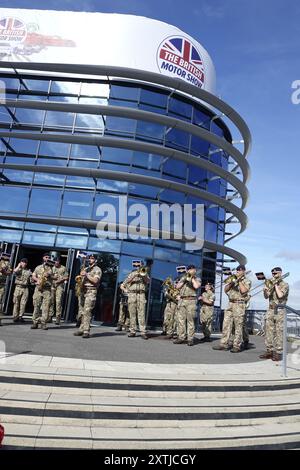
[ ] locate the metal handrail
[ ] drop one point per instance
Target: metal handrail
(284, 351)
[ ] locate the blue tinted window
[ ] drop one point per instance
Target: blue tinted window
(201, 119)
(45, 202)
(71, 240)
(110, 246)
(120, 125)
(39, 238)
(84, 151)
(77, 204)
(13, 236)
(124, 92)
(175, 168)
(150, 130)
(199, 146)
(156, 98)
(182, 108)
(13, 199)
(116, 155)
(177, 139)
(147, 160)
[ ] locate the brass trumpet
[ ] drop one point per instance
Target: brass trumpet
(234, 278)
(142, 271)
(79, 281)
(270, 283)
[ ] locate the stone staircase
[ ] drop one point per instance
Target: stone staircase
(126, 407)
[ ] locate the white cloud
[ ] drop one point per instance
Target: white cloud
(288, 255)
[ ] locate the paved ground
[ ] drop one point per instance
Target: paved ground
(105, 344)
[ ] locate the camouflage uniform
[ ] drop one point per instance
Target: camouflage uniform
(4, 266)
(234, 316)
(123, 312)
(170, 315)
(87, 299)
(136, 288)
(207, 312)
(275, 319)
(57, 292)
(186, 312)
(42, 297)
(21, 292)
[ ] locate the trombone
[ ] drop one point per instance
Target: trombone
(268, 283)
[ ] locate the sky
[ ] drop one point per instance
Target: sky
(255, 48)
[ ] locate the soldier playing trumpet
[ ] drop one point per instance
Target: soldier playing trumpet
(60, 275)
(276, 291)
(42, 277)
(87, 288)
(21, 291)
(237, 288)
(207, 300)
(188, 285)
(136, 283)
(170, 314)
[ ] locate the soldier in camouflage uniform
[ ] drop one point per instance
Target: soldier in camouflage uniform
(123, 321)
(87, 300)
(207, 311)
(170, 313)
(5, 270)
(21, 292)
(188, 285)
(277, 295)
(238, 294)
(60, 275)
(136, 285)
(42, 276)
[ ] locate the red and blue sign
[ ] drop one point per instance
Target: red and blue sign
(178, 57)
(12, 30)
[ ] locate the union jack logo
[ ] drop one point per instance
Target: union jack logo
(178, 56)
(12, 29)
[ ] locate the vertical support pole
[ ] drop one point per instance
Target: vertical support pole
(284, 352)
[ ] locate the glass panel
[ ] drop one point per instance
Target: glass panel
(110, 246)
(54, 149)
(177, 106)
(156, 98)
(71, 241)
(30, 116)
(45, 202)
(125, 92)
(85, 151)
(13, 236)
(39, 238)
(57, 118)
(13, 199)
(116, 155)
(77, 204)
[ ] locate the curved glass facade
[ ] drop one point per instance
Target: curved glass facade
(42, 136)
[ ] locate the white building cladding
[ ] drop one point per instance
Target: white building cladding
(104, 104)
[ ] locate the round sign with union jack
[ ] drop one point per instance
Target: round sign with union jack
(178, 57)
(12, 30)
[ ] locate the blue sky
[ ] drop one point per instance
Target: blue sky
(255, 48)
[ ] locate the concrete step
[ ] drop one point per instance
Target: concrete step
(264, 436)
(43, 407)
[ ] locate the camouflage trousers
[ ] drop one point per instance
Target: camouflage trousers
(206, 318)
(20, 300)
(123, 315)
(274, 330)
(136, 310)
(2, 292)
(245, 332)
(170, 318)
(86, 304)
(234, 317)
(41, 304)
(56, 301)
(185, 317)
